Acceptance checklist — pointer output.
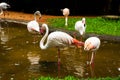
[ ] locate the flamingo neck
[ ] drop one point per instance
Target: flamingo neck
(42, 46)
(35, 17)
(1, 11)
(92, 58)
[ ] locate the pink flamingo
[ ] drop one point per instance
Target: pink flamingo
(80, 26)
(57, 39)
(66, 12)
(92, 44)
(33, 26)
(3, 5)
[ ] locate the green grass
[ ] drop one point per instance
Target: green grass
(96, 25)
(74, 78)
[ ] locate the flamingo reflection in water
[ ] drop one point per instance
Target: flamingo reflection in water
(4, 37)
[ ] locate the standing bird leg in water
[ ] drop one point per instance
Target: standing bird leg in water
(92, 44)
(57, 39)
(66, 12)
(80, 26)
(33, 26)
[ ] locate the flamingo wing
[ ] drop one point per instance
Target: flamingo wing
(33, 26)
(92, 44)
(59, 39)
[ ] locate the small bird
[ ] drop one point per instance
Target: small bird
(66, 12)
(3, 6)
(57, 39)
(80, 26)
(33, 26)
(92, 44)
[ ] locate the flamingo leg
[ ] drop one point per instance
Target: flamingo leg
(88, 58)
(92, 71)
(92, 64)
(92, 59)
(59, 61)
(66, 19)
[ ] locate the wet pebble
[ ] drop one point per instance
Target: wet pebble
(11, 78)
(16, 64)
(9, 48)
(118, 69)
(27, 42)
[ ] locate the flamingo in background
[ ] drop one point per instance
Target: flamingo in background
(33, 26)
(92, 44)
(3, 6)
(66, 12)
(80, 26)
(57, 39)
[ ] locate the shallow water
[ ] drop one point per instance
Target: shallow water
(21, 57)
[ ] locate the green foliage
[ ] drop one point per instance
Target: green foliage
(96, 25)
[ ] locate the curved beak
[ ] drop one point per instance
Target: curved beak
(8, 6)
(40, 16)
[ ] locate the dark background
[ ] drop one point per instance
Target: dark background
(77, 7)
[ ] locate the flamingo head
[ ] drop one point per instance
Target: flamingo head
(65, 11)
(38, 13)
(42, 30)
(83, 21)
(4, 5)
(88, 47)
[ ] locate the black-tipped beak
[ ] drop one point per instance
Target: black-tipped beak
(8, 6)
(40, 17)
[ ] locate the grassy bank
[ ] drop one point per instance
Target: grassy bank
(96, 25)
(74, 78)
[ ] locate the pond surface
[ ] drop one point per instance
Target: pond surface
(21, 57)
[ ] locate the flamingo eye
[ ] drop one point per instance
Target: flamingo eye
(84, 25)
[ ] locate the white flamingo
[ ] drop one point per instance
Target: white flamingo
(66, 12)
(3, 6)
(33, 26)
(57, 39)
(80, 26)
(92, 44)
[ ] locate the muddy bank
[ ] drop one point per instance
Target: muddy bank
(102, 37)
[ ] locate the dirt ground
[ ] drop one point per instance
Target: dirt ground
(25, 16)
